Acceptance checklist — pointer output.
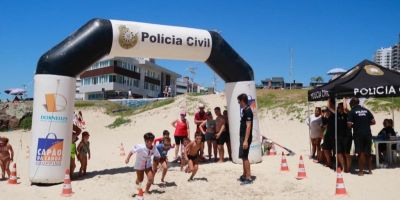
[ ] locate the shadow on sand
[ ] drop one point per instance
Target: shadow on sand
(89, 175)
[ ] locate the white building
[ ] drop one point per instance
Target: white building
(383, 56)
(116, 77)
(396, 57)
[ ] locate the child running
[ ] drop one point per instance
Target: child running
(6, 156)
(184, 161)
(84, 152)
(192, 153)
(143, 165)
(73, 155)
(161, 139)
(163, 148)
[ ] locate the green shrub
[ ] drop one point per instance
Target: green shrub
(26, 122)
(84, 104)
(118, 122)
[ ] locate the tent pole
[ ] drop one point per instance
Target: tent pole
(336, 116)
(309, 127)
(392, 107)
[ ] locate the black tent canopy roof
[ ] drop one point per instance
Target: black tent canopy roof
(366, 79)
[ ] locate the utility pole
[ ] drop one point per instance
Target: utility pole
(291, 69)
(192, 71)
(214, 83)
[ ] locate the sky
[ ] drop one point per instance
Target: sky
(322, 34)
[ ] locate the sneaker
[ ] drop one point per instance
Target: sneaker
(246, 182)
(241, 178)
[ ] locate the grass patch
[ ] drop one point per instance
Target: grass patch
(118, 122)
(383, 104)
(84, 104)
(271, 99)
(116, 109)
(26, 122)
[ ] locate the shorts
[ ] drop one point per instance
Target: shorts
(222, 138)
(329, 143)
(363, 144)
(210, 137)
(344, 145)
(194, 158)
(179, 139)
(244, 153)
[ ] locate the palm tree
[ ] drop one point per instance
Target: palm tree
(317, 79)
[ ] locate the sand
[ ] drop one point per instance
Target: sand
(110, 178)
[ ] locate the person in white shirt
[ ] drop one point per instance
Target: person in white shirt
(316, 132)
(144, 153)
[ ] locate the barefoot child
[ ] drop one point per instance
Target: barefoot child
(6, 156)
(163, 148)
(84, 152)
(192, 153)
(73, 154)
(184, 161)
(143, 160)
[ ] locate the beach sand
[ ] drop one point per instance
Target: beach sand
(110, 178)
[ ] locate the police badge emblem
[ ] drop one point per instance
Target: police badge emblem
(127, 39)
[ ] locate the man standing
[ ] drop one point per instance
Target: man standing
(361, 119)
(246, 128)
(221, 134)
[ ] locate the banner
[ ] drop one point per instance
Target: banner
(53, 107)
(232, 91)
(160, 41)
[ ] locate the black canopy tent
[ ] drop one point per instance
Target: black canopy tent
(366, 79)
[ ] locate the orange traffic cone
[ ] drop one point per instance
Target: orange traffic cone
(13, 176)
(272, 151)
(340, 188)
(302, 170)
(121, 150)
(284, 166)
(67, 188)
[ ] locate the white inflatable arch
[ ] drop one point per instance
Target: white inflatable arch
(54, 89)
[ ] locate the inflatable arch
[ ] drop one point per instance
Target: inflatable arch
(54, 88)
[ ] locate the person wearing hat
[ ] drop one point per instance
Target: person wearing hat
(181, 131)
(6, 156)
(84, 152)
(199, 118)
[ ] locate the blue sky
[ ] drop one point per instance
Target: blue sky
(323, 34)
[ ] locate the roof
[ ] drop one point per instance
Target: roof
(336, 71)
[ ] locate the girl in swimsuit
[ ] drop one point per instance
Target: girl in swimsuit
(6, 156)
(84, 152)
(210, 138)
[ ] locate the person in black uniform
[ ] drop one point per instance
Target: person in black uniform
(328, 145)
(246, 128)
(343, 138)
(361, 119)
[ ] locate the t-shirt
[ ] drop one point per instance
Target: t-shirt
(330, 125)
(315, 126)
(202, 117)
(143, 156)
(342, 130)
(361, 119)
(162, 151)
(247, 116)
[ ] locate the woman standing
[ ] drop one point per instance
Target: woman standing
(182, 131)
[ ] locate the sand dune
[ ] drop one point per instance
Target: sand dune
(110, 178)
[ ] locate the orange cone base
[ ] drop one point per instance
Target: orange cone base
(301, 177)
